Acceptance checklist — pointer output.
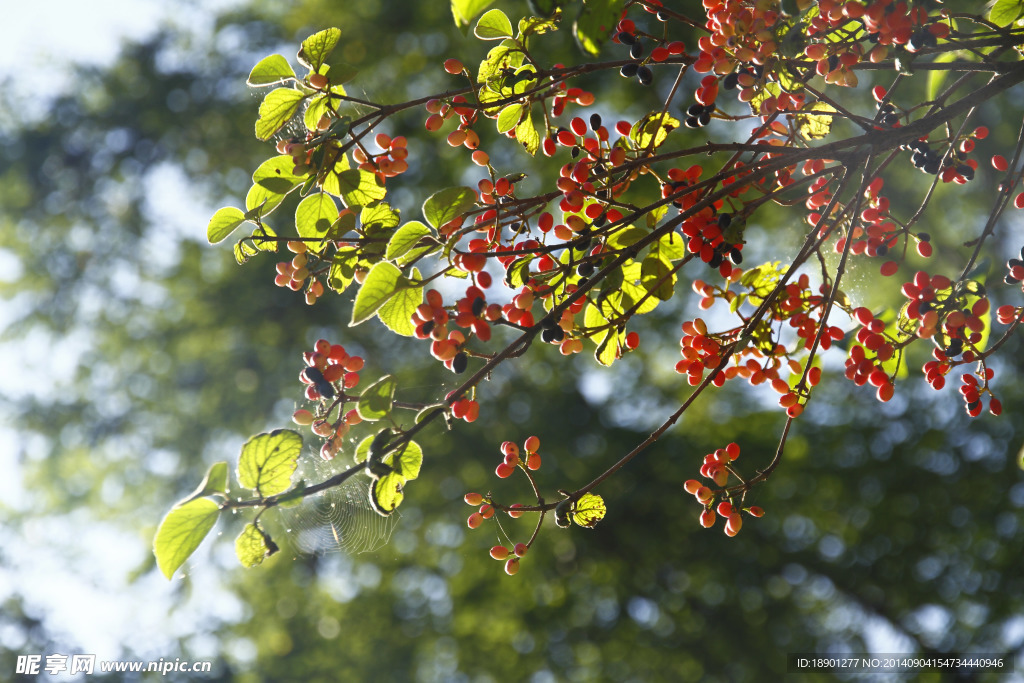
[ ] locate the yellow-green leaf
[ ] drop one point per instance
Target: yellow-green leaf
(277, 108)
(509, 117)
(224, 223)
(463, 11)
(406, 460)
(215, 481)
(314, 217)
(359, 187)
(375, 401)
(445, 205)
(270, 70)
(381, 283)
(813, 126)
(595, 23)
(251, 547)
(318, 47)
(527, 135)
(181, 531)
(268, 461)
(589, 510)
(386, 493)
(651, 130)
(396, 314)
(493, 25)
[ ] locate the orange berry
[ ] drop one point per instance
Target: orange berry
(499, 552)
(453, 66)
(318, 81)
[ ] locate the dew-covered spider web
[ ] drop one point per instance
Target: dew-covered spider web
(339, 519)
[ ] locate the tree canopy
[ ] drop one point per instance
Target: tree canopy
(892, 524)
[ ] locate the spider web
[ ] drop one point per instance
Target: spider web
(338, 519)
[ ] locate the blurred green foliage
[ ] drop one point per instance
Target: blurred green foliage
(898, 524)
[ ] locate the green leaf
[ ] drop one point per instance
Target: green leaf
(382, 282)
(277, 108)
(396, 314)
(626, 236)
(375, 401)
(656, 277)
(181, 531)
(316, 110)
(509, 116)
(318, 47)
(815, 126)
(268, 461)
(386, 493)
(215, 481)
(607, 351)
(633, 289)
(445, 205)
(589, 510)
(314, 217)
(670, 247)
(652, 130)
(343, 270)
(493, 25)
(405, 238)
(224, 223)
(1005, 12)
(535, 26)
(465, 10)
(251, 547)
(272, 180)
(527, 135)
(519, 272)
(359, 187)
(595, 23)
(406, 460)
(270, 70)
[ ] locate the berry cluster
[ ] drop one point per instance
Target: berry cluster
(294, 274)
(512, 460)
(329, 371)
(717, 467)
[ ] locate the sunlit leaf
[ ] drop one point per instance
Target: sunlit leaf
(493, 25)
(527, 135)
(589, 510)
(386, 493)
(406, 460)
(271, 70)
(396, 314)
(251, 547)
(215, 481)
(595, 23)
(813, 126)
(277, 108)
(381, 283)
(509, 117)
(464, 11)
(314, 217)
(181, 532)
(445, 205)
(318, 47)
(224, 223)
(268, 461)
(375, 401)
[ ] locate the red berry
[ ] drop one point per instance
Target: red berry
(504, 471)
(1019, 201)
(533, 461)
(499, 552)
(707, 519)
(512, 566)
(453, 66)
(475, 520)
(756, 511)
(532, 444)
(513, 513)
(999, 162)
(474, 499)
(520, 549)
